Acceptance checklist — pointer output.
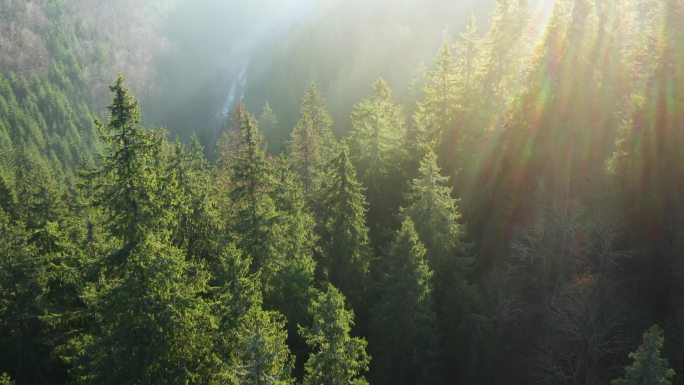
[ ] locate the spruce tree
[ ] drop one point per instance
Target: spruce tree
(250, 341)
(338, 358)
(436, 216)
(290, 289)
(648, 367)
(268, 124)
(435, 213)
(377, 149)
(150, 323)
(438, 110)
(343, 233)
(149, 319)
(125, 185)
(404, 328)
(184, 187)
(253, 211)
(270, 224)
(311, 141)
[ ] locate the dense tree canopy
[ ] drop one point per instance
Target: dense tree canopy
(514, 217)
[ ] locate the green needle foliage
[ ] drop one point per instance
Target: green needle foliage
(378, 151)
(312, 142)
(345, 249)
(520, 228)
(253, 211)
(648, 367)
(405, 343)
(126, 184)
(338, 358)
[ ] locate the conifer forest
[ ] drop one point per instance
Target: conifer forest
(342, 192)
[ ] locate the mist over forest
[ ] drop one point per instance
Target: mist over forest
(336, 192)
(272, 50)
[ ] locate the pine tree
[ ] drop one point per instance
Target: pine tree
(38, 190)
(377, 149)
(648, 367)
(7, 196)
(270, 224)
(436, 216)
(293, 232)
(462, 142)
(148, 312)
(262, 351)
(312, 140)
(125, 185)
(253, 211)
(250, 341)
(404, 318)
(268, 124)
(343, 233)
(184, 187)
(150, 320)
(338, 359)
(503, 41)
(438, 110)
(290, 289)
(435, 213)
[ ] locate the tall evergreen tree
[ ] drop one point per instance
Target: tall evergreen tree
(184, 186)
(338, 358)
(436, 216)
(404, 323)
(438, 110)
(648, 367)
(312, 140)
(150, 320)
(343, 232)
(377, 149)
(250, 341)
(291, 289)
(148, 313)
(435, 213)
(126, 185)
(253, 211)
(268, 124)
(270, 223)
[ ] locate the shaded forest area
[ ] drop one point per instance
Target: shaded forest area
(514, 216)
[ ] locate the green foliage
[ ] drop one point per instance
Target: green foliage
(404, 326)
(436, 216)
(251, 183)
(378, 151)
(165, 267)
(250, 341)
(648, 367)
(5, 379)
(271, 130)
(343, 233)
(126, 185)
(270, 223)
(435, 213)
(150, 319)
(311, 142)
(262, 350)
(184, 190)
(437, 111)
(293, 232)
(338, 358)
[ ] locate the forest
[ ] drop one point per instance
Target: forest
(397, 192)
